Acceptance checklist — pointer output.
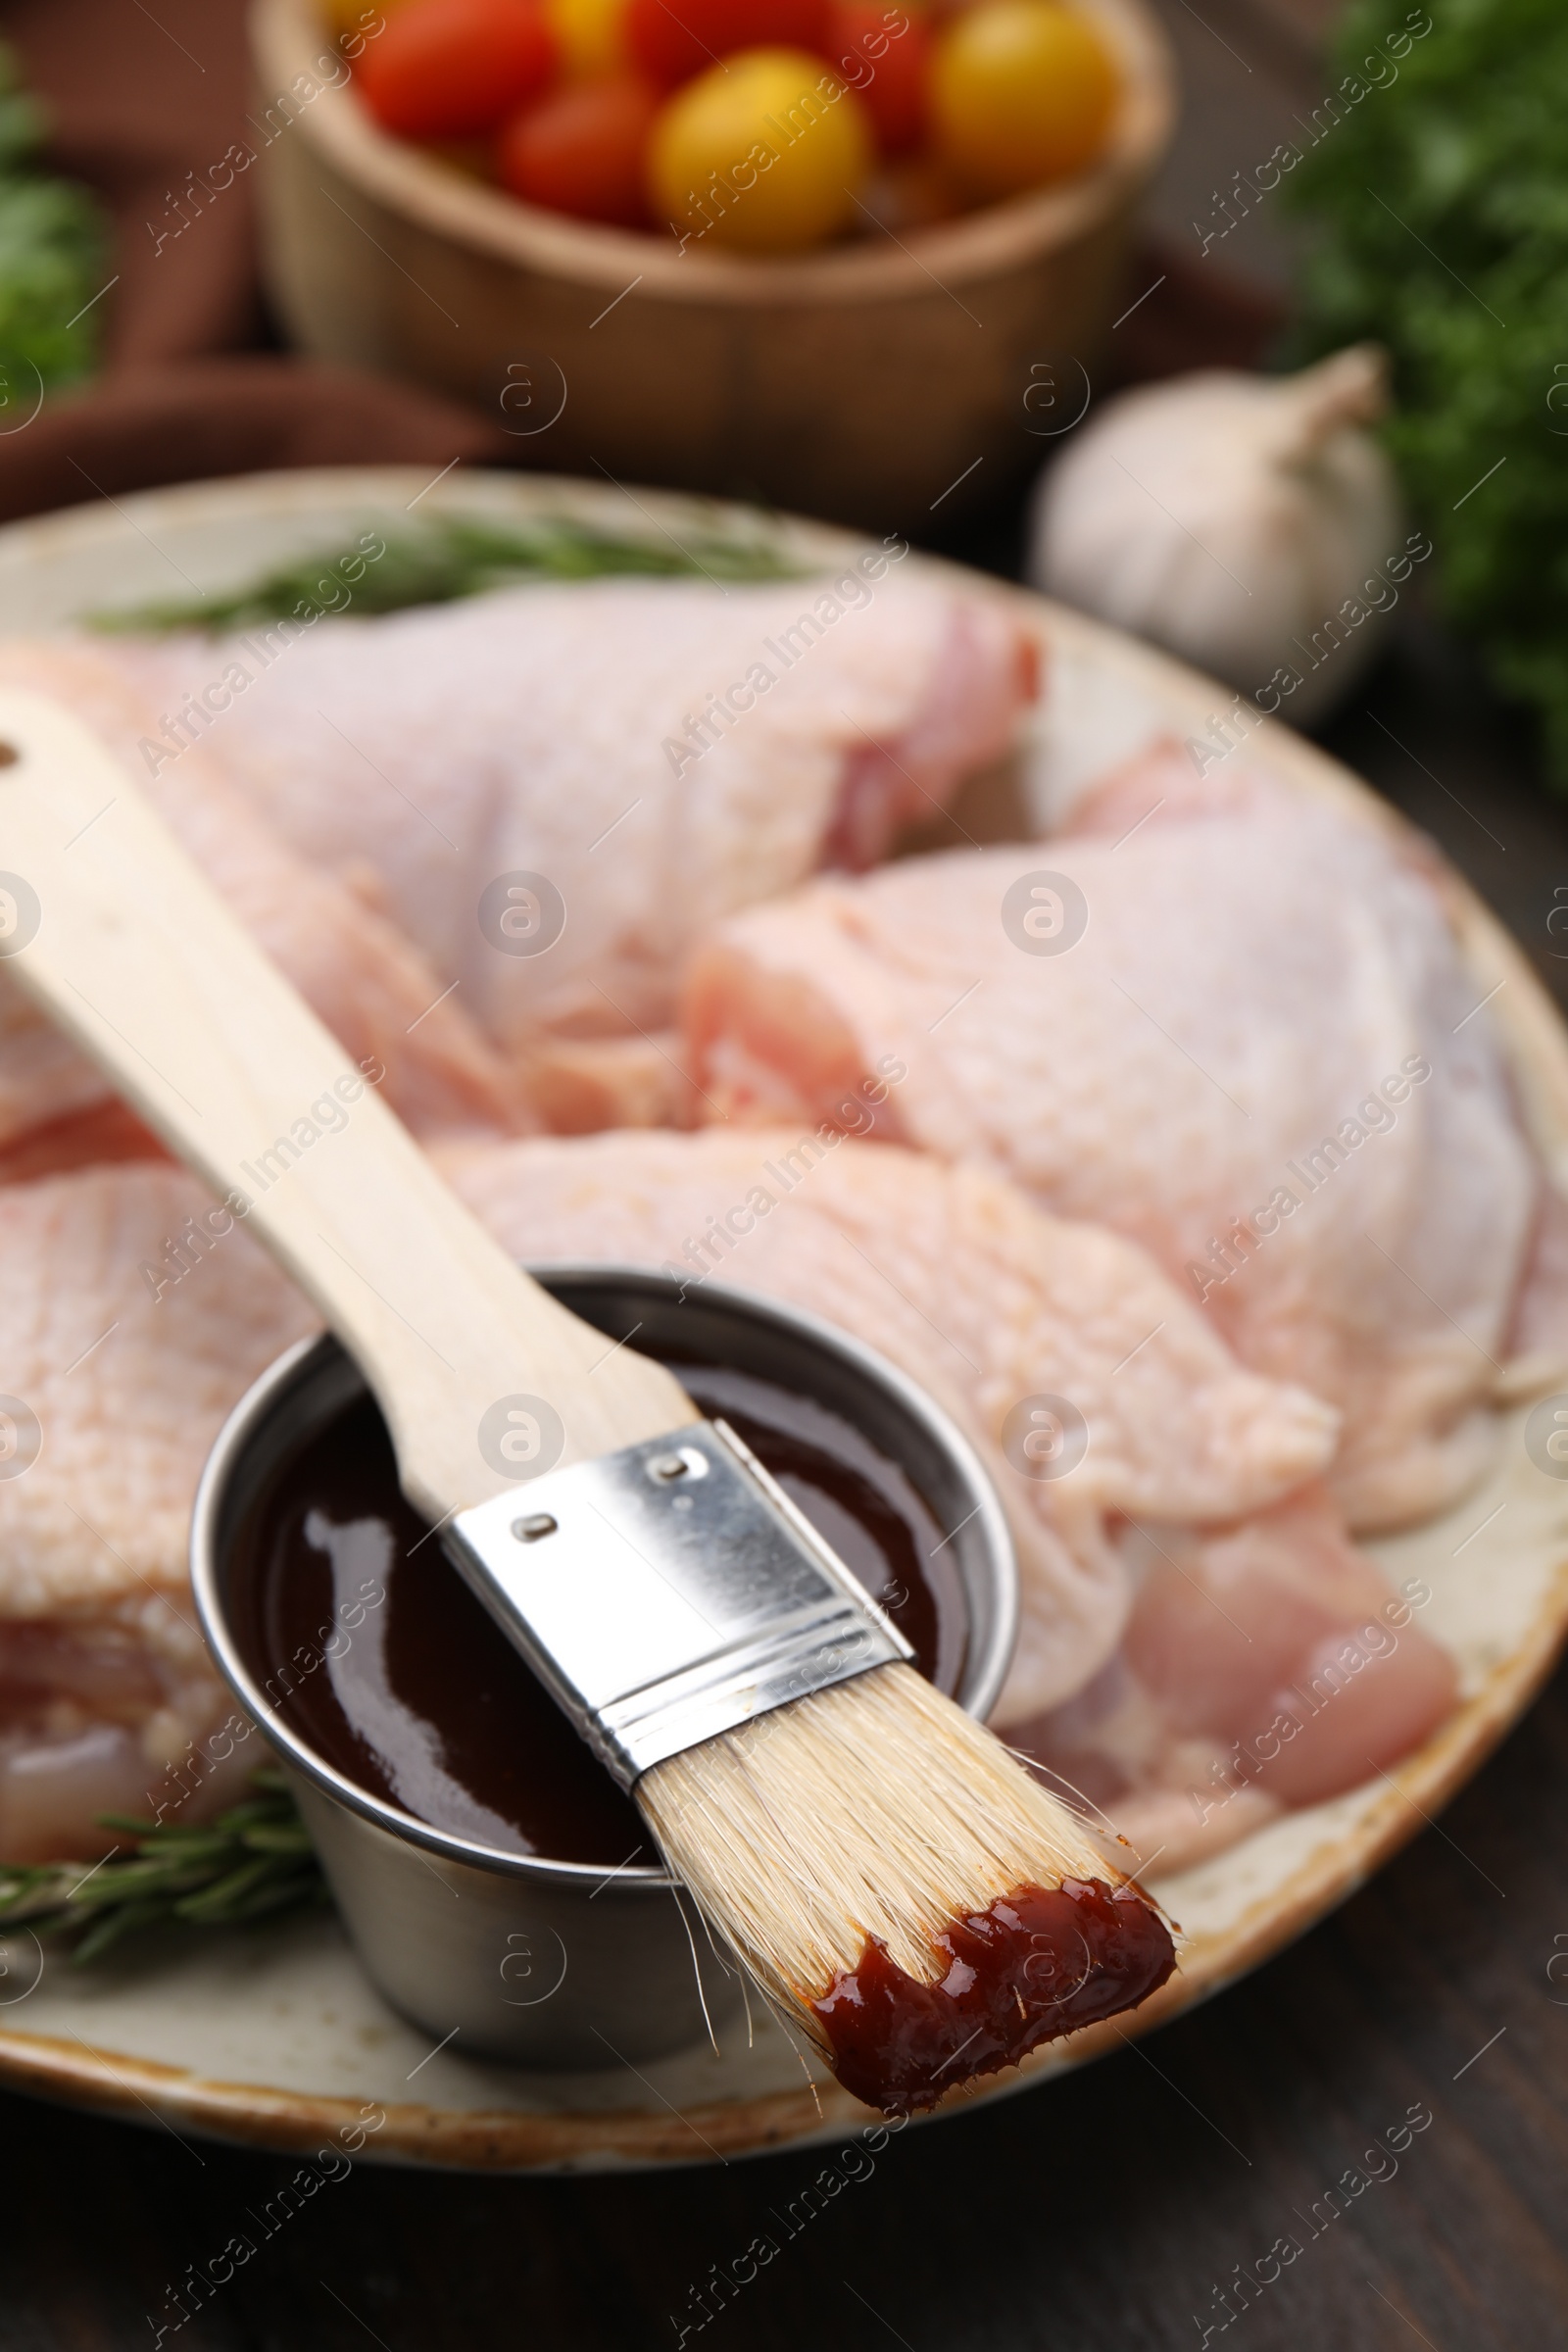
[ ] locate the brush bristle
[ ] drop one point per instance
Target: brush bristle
(876, 1809)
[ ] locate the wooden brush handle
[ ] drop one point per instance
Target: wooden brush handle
(109, 926)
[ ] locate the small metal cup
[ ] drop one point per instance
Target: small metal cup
(561, 1965)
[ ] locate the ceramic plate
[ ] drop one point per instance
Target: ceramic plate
(275, 2037)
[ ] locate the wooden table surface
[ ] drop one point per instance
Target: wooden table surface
(1106, 2211)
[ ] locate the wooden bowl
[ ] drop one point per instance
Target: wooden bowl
(869, 384)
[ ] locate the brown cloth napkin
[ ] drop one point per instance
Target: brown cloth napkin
(145, 92)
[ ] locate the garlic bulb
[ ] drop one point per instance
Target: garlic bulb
(1249, 523)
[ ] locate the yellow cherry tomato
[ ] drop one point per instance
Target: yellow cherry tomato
(764, 153)
(1022, 92)
(589, 33)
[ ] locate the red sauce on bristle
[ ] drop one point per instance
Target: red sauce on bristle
(1034, 1965)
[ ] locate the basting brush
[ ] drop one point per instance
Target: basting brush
(895, 1880)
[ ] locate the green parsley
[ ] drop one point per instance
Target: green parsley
(53, 243)
(1441, 203)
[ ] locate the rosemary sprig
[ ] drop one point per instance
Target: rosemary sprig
(255, 1859)
(455, 556)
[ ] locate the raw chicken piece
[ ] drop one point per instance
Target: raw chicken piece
(373, 988)
(1254, 1051)
(104, 1676)
(1265, 1665)
(572, 732)
(982, 1299)
(580, 1084)
(129, 1388)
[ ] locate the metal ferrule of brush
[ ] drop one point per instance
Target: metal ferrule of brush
(668, 1593)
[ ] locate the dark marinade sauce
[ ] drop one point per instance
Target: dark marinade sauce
(418, 1696)
(1035, 1963)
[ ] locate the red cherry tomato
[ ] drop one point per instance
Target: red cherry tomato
(673, 40)
(885, 66)
(583, 151)
(452, 68)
